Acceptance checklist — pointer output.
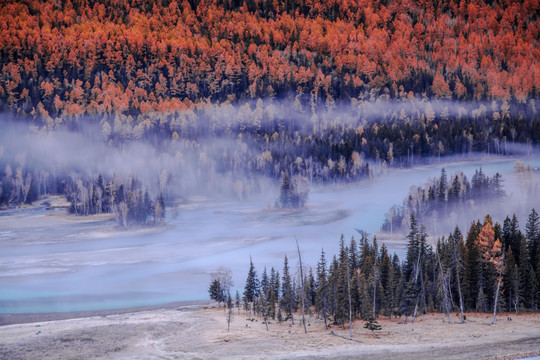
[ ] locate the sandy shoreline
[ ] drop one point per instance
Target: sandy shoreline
(199, 332)
(12, 319)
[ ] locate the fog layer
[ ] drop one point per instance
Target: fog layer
(50, 264)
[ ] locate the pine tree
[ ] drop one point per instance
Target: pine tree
(456, 189)
(524, 275)
(285, 191)
(288, 298)
(472, 267)
(273, 291)
(251, 290)
(321, 300)
(510, 282)
(412, 248)
(216, 291)
(412, 271)
(342, 284)
(333, 275)
(458, 251)
(537, 275)
(311, 288)
(496, 186)
(441, 196)
(516, 238)
(264, 282)
(532, 232)
(353, 255)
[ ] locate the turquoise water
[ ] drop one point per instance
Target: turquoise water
(50, 264)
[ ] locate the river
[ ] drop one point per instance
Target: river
(52, 262)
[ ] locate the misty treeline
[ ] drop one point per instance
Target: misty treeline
(492, 267)
(443, 198)
(129, 203)
(228, 148)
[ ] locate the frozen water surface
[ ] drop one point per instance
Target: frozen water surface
(50, 263)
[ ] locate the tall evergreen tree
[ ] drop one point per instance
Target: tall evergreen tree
(333, 275)
(321, 301)
(472, 267)
(311, 288)
(457, 261)
(251, 290)
(537, 275)
(343, 282)
(532, 232)
(288, 296)
(273, 293)
(264, 282)
(510, 283)
(412, 248)
(525, 276)
(441, 196)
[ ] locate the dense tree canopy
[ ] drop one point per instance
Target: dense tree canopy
(84, 57)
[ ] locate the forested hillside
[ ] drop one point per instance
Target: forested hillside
(103, 57)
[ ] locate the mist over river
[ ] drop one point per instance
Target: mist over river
(51, 262)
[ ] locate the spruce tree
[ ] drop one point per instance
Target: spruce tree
(264, 282)
(532, 232)
(511, 283)
(333, 275)
(285, 191)
(321, 300)
(412, 248)
(456, 189)
(216, 291)
(537, 275)
(251, 289)
(472, 267)
(342, 284)
(441, 196)
(288, 297)
(524, 274)
(311, 288)
(458, 252)
(273, 291)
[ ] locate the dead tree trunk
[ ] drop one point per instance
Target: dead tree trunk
(350, 302)
(303, 289)
(459, 286)
(444, 284)
(417, 295)
(496, 296)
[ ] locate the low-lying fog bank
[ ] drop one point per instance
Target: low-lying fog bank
(53, 263)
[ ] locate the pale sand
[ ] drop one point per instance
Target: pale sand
(193, 332)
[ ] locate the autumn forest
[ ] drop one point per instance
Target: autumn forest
(65, 59)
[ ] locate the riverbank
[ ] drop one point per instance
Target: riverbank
(13, 319)
(198, 332)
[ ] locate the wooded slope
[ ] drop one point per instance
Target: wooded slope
(131, 57)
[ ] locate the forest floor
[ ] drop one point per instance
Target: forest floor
(197, 332)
